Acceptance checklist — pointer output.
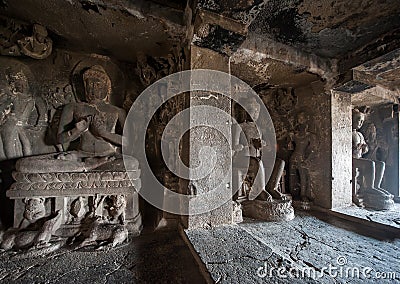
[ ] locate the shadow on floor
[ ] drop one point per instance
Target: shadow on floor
(165, 258)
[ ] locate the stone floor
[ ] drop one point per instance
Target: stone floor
(252, 252)
(389, 218)
(160, 257)
(305, 248)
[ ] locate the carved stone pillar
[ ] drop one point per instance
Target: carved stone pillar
(219, 180)
(341, 189)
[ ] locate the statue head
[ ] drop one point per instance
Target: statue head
(97, 84)
(118, 200)
(251, 106)
(301, 120)
(17, 82)
(358, 118)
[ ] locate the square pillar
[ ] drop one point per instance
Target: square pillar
(341, 154)
(219, 179)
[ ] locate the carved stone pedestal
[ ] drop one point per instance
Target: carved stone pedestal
(372, 201)
(109, 194)
(273, 211)
(302, 205)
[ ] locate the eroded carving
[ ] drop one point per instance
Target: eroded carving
(34, 210)
(35, 237)
(20, 106)
(100, 230)
(38, 45)
(116, 208)
(300, 160)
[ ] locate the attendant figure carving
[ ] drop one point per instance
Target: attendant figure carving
(17, 120)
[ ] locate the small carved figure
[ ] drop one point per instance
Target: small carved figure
(34, 210)
(37, 46)
(17, 120)
(100, 230)
(116, 208)
(236, 212)
(77, 209)
(285, 100)
(147, 73)
(38, 237)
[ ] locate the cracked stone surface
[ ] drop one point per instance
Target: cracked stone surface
(234, 254)
(160, 257)
(389, 218)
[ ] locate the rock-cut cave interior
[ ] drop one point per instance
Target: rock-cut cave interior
(199, 141)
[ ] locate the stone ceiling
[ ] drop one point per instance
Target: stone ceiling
(327, 28)
(322, 37)
(118, 28)
(327, 37)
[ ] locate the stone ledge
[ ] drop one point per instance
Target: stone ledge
(386, 220)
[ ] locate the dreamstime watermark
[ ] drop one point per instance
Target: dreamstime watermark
(212, 166)
(341, 270)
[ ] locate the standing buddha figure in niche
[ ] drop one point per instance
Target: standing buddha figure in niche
(300, 160)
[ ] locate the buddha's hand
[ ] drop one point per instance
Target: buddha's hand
(98, 127)
(83, 125)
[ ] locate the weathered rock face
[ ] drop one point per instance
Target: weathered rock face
(119, 29)
(327, 28)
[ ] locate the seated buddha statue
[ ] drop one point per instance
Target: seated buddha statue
(93, 122)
